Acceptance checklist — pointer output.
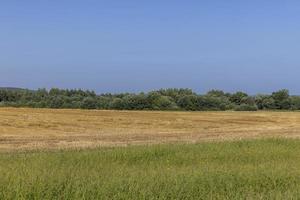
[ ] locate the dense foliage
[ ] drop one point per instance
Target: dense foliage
(164, 99)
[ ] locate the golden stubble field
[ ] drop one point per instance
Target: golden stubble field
(26, 129)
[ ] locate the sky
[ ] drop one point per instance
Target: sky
(138, 45)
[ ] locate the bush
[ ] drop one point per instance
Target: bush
(164, 103)
(164, 99)
(282, 100)
(188, 102)
(246, 107)
(295, 103)
(89, 103)
(118, 104)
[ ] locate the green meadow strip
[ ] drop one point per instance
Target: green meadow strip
(249, 169)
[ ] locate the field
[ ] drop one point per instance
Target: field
(256, 169)
(27, 129)
(76, 154)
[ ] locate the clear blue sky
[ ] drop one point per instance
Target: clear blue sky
(139, 45)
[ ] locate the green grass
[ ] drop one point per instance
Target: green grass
(257, 169)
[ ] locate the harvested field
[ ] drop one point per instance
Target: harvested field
(24, 128)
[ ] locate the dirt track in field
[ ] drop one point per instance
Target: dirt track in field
(22, 129)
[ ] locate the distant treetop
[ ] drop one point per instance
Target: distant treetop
(163, 99)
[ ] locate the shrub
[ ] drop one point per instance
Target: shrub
(246, 107)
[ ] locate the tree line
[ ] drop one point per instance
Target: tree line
(163, 99)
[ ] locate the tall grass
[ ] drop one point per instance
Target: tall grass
(256, 169)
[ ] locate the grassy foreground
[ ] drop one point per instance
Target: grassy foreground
(254, 169)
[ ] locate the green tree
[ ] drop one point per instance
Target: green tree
(117, 103)
(216, 93)
(188, 102)
(89, 103)
(103, 102)
(56, 102)
(164, 103)
(281, 99)
(238, 97)
(295, 102)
